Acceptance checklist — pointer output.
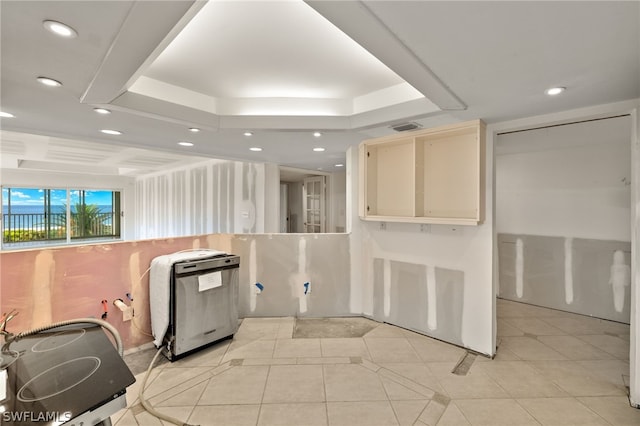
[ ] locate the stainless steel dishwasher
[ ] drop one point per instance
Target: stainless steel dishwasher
(203, 304)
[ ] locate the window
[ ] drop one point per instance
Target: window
(39, 215)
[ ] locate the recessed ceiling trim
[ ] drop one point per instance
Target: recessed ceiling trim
(149, 107)
(356, 20)
(276, 106)
(170, 93)
(133, 47)
(386, 97)
(412, 110)
(170, 112)
(66, 168)
(284, 123)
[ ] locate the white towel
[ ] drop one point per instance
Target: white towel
(159, 277)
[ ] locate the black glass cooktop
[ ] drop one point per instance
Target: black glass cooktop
(59, 374)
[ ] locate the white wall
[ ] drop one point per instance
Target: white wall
(461, 248)
(358, 285)
(212, 197)
(596, 112)
(271, 198)
(634, 383)
(35, 179)
(571, 180)
(337, 201)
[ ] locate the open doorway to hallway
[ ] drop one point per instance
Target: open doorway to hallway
(312, 202)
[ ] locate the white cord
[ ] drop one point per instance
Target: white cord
(147, 406)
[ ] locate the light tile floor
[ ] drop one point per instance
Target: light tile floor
(551, 368)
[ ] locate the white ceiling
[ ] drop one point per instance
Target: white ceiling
(229, 50)
(283, 70)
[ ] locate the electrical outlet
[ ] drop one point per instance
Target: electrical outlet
(425, 227)
(127, 314)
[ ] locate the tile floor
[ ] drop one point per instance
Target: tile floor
(552, 368)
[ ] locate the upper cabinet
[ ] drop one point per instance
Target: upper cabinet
(426, 176)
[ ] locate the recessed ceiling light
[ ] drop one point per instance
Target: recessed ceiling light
(248, 134)
(255, 148)
(317, 134)
(6, 115)
(60, 29)
(555, 91)
(339, 165)
(49, 81)
(185, 143)
(102, 111)
(194, 129)
(318, 149)
(111, 132)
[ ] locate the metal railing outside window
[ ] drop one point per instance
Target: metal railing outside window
(58, 223)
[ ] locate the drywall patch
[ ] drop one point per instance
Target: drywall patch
(408, 295)
(135, 279)
(252, 276)
(450, 285)
(546, 267)
(378, 288)
(619, 279)
(432, 307)
(593, 261)
(387, 287)
(519, 268)
(42, 286)
(301, 277)
(568, 270)
(542, 269)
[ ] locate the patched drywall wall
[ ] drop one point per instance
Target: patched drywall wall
(433, 279)
(563, 208)
(590, 277)
(214, 197)
(56, 284)
(420, 297)
(301, 275)
(293, 275)
(436, 282)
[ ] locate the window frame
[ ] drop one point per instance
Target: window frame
(114, 216)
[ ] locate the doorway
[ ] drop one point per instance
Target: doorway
(563, 214)
(308, 200)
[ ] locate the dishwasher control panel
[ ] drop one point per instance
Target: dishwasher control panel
(217, 262)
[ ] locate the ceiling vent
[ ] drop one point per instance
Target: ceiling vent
(403, 127)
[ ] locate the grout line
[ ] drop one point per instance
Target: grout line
(324, 393)
(200, 396)
(427, 392)
(264, 391)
